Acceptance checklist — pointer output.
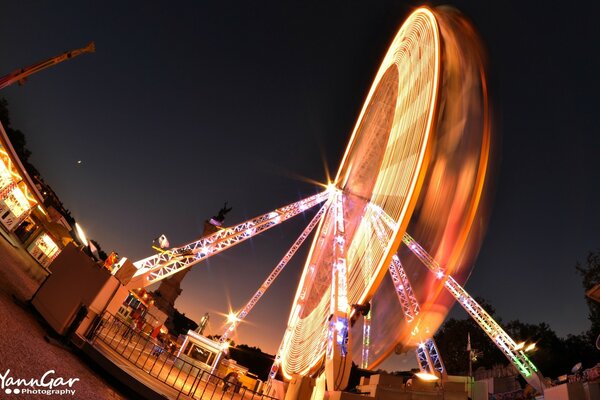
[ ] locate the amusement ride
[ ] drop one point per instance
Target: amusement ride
(398, 229)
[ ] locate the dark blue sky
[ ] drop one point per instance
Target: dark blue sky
(186, 106)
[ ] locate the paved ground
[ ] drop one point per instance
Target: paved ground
(23, 347)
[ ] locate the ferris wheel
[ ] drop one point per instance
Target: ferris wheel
(399, 228)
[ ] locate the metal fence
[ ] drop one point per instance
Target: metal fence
(150, 356)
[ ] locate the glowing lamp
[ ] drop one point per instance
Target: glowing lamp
(232, 317)
(81, 234)
(519, 346)
(530, 347)
(424, 376)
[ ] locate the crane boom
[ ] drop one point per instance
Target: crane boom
(21, 75)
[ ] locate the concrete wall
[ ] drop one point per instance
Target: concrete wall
(566, 391)
(76, 280)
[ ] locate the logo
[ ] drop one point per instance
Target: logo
(48, 384)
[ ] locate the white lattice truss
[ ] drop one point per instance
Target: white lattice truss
(427, 355)
(429, 358)
(407, 298)
(275, 273)
(502, 340)
(160, 266)
(163, 265)
(366, 345)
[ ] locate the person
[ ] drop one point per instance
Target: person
(231, 379)
(157, 350)
(130, 329)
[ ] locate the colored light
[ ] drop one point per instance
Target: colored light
(519, 346)
(530, 347)
(81, 234)
(232, 317)
(424, 376)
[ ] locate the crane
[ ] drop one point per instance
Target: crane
(20, 76)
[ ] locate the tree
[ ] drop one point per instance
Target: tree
(101, 253)
(590, 277)
(451, 340)
(549, 355)
(17, 139)
(553, 356)
(253, 358)
(181, 324)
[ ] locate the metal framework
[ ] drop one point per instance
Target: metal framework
(338, 356)
(21, 75)
(275, 273)
(502, 340)
(163, 265)
(429, 358)
(427, 354)
(407, 298)
(366, 345)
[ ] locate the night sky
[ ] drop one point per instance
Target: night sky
(186, 106)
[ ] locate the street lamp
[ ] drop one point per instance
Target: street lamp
(529, 348)
(232, 317)
(427, 377)
(526, 349)
(81, 234)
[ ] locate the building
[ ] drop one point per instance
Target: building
(24, 219)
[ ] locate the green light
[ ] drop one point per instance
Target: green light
(532, 365)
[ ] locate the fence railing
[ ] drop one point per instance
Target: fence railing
(151, 356)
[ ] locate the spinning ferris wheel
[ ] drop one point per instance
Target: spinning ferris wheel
(398, 229)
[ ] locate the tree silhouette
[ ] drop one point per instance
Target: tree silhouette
(553, 355)
(17, 139)
(253, 358)
(451, 340)
(590, 277)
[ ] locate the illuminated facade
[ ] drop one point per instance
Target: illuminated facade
(24, 220)
(201, 351)
(43, 249)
